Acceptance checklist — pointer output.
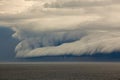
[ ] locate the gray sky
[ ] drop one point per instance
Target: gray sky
(7, 44)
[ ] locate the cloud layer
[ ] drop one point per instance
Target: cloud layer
(58, 27)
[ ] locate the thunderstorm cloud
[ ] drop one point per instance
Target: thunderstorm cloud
(60, 27)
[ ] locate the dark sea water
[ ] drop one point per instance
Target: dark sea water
(60, 71)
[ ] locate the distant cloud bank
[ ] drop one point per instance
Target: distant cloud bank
(60, 27)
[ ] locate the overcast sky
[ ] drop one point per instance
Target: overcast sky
(60, 27)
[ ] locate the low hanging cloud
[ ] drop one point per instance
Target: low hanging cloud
(80, 3)
(60, 27)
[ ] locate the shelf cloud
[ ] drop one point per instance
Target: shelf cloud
(60, 27)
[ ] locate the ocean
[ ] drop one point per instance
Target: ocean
(60, 71)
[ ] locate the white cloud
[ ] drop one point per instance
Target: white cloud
(14, 6)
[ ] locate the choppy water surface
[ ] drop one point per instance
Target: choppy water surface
(60, 71)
